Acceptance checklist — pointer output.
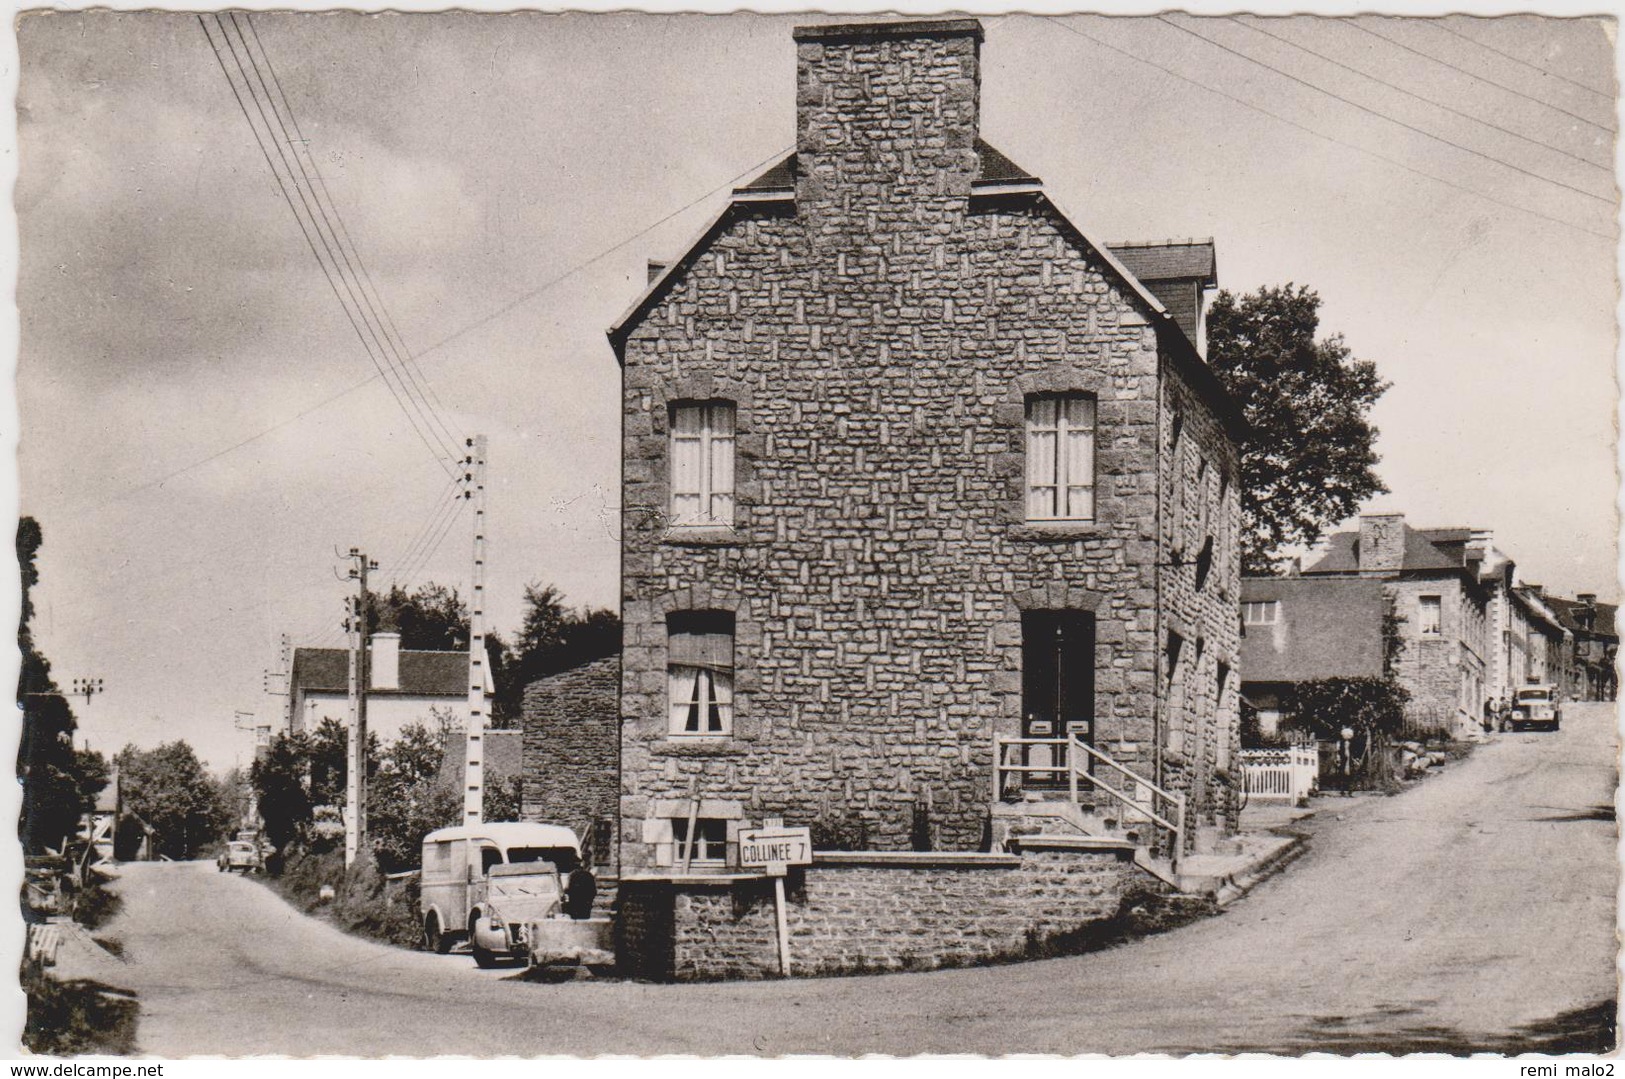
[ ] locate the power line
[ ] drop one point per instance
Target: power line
(1378, 113)
(408, 573)
(1472, 75)
(336, 270)
(1253, 24)
(491, 317)
(1439, 24)
(424, 388)
(1320, 135)
(380, 334)
(443, 505)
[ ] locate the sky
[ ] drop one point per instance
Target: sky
(203, 435)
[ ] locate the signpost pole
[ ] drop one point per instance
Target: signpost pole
(778, 872)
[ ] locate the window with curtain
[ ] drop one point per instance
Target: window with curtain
(702, 463)
(1060, 457)
(700, 672)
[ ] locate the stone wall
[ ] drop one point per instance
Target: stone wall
(878, 336)
(1432, 668)
(1198, 597)
(572, 751)
(861, 913)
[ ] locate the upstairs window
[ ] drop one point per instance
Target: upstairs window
(700, 672)
(1264, 612)
(1428, 621)
(1060, 457)
(702, 464)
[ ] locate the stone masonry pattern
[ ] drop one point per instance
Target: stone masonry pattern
(878, 337)
(873, 918)
(572, 749)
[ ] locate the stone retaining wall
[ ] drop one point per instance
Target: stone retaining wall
(865, 912)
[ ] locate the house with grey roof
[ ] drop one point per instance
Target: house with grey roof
(1304, 629)
(403, 686)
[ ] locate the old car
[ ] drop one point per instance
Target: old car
(1535, 705)
(241, 857)
(484, 883)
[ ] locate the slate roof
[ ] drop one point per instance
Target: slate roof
(504, 757)
(1603, 623)
(1328, 628)
(1169, 261)
(422, 673)
(995, 168)
(1421, 554)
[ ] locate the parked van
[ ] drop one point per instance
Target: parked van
(484, 882)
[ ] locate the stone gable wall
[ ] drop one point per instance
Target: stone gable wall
(879, 350)
(572, 749)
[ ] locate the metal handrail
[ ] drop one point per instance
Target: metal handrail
(1073, 771)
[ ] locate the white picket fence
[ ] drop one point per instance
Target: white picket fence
(1281, 775)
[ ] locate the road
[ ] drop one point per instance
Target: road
(1473, 911)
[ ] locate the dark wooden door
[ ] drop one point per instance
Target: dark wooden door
(1058, 684)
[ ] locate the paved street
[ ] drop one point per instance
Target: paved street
(1470, 912)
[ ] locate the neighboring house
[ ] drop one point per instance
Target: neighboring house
(1548, 645)
(1443, 585)
(1593, 674)
(572, 753)
(503, 763)
(1305, 629)
(911, 464)
(404, 686)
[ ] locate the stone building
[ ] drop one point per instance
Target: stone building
(1305, 629)
(1593, 674)
(1448, 589)
(404, 686)
(571, 761)
(910, 464)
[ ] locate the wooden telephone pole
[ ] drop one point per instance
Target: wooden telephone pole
(355, 782)
(474, 738)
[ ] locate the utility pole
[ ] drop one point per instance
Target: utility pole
(355, 781)
(87, 688)
(474, 737)
(276, 682)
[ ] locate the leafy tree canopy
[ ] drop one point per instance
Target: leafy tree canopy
(409, 798)
(433, 618)
(1309, 460)
(278, 780)
(59, 782)
(168, 788)
(552, 638)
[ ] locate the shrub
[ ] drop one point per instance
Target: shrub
(75, 1018)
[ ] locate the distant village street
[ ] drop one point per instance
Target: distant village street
(1428, 947)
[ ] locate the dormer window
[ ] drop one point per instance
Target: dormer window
(702, 464)
(1060, 457)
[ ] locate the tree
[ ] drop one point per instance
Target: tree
(410, 798)
(434, 618)
(1309, 457)
(278, 779)
(168, 788)
(59, 783)
(552, 638)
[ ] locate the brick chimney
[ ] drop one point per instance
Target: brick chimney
(1382, 542)
(384, 661)
(886, 111)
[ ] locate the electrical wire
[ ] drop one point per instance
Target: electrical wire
(1321, 135)
(425, 390)
(1439, 24)
(1378, 113)
(468, 328)
(364, 329)
(1472, 75)
(1253, 24)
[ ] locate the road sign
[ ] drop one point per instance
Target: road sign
(761, 847)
